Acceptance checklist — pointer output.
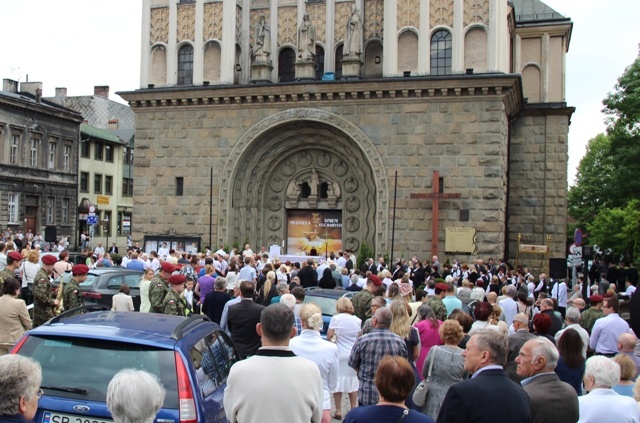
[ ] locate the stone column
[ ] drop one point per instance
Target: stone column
(228, 47)
(424, 43)
(198, 47)
(172, 53)
(457, 61)
(498, 37)
(145, 43)
(275, 53)
(390, 42)
(330, 42)
(544, 65)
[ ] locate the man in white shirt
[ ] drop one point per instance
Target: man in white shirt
(508, 305)
(559, 293)
(248, 272)
(573, 322)
(99, 249)
(247, 251)
(607, 329)
(164, 250)
(221, 251)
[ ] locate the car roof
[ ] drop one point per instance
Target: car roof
(100, 271)
(140, 328)
(329, 293)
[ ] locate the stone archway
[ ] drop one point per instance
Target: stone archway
(285, 148)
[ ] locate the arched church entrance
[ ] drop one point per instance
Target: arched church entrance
(307, 186)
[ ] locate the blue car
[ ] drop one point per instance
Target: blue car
(80, 353)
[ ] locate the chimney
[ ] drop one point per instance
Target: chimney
(9, 85)
(113, 124)
(38, 95)
(31, 88)
(101, 90)
(61, 92)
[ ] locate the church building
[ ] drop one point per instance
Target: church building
(418, 127)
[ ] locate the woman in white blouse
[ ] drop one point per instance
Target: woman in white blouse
(122, 301)
(346, 327)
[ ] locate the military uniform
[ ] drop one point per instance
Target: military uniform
(72, 295)
(588, 318)
(6, 273)
(174, 304)
(158, 289)
(438, 307)
(43, 298)
(362, 304)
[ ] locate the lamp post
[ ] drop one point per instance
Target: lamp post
(105, 223)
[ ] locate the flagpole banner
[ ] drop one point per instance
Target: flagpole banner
(314, 231)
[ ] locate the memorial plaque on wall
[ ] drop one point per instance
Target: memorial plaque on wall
(460, 240)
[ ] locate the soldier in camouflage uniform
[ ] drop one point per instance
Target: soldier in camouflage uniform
(588, 317)
(159, 287)
(72, 294)
(174, 302)
(14, 259)
(362, 300)
(44, 300)
(435, 301)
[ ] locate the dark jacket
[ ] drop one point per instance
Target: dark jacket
(552, 400)
(308, 276)
(242, 321)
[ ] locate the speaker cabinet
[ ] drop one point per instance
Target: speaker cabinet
(50, 234)
(558, 268)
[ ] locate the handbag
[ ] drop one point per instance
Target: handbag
(420, 393)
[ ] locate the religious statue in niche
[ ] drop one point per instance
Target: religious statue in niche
(353, 45)
(293, 190)
(314, 182)
(333, 190)
(306, 40)
(262, 52)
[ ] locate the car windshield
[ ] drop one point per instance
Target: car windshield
(87, 282)
(90, 364)
(326, 304)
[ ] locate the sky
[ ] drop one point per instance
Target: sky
(78, 44)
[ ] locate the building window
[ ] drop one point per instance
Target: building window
(33, 158)
(108, 185)
(124, 223)
(108, 153)
(441, 52)
(52, 155)
(65, 211)
(14, 202)
(14, 155)
(85, 147)
(179, 186)
(97, 183)
(98, 151)
(286, 65)
(185, 65)
(66, 165)
(127, 187)
(84, 182)
(319, 63)
(339, 53)
(51, 204)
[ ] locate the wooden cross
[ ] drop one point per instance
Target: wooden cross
(436, 196)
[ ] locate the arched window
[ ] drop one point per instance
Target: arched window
(339, 62)
(185, 65)
(441, 53)
(319, 62)
(286, 65)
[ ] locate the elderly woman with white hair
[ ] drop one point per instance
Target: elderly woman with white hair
(603, 403)
(310, 345)
(134, 396)
(20, 379)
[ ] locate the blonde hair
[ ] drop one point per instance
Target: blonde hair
(400, 323)
(33, 256)
(266, 288)
(494, 317)
(209, 269)
(311, 315)
(344, 305)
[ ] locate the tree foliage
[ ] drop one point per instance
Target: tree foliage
(617, 228)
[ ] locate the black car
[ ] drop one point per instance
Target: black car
(102, 284)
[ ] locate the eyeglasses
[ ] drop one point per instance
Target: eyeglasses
(39, 393)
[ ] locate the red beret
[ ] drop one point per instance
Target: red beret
(80, 269)
(49, 259)
(15, 256)
(376, 280)
(442, 286)
(167, 267)
(177, 279)
(595, 299)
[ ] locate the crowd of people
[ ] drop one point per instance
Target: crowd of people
(481, 334)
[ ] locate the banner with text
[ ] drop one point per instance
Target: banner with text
(310, 231)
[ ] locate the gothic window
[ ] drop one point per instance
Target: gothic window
(286, 65)
(441, 52)
(339, 62)
(185, 65)
(319, 62)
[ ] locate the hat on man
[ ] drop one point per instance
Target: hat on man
(49, 259)
(405, 289)
(167, 267)
(177, 279)
(595, 299)
(15, 256)
(442, 286)
(80, 269)
(376, 280)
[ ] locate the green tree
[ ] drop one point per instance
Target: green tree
(617, 228)
(593, 189)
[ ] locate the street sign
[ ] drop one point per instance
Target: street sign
(577, 237)
(92, 209)
(92, 220)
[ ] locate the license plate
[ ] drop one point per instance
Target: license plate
(50, 417)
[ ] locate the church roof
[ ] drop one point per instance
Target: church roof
(535, 11)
